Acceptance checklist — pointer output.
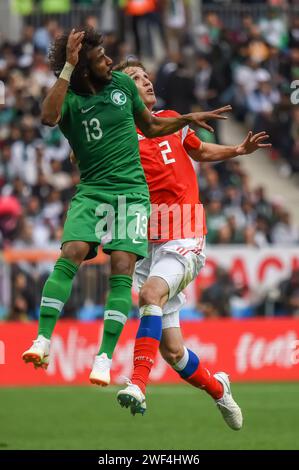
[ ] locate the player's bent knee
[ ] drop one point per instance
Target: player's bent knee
(123, 263)
(122, 267)
(147, 296)
(75, 251)
(172, 355)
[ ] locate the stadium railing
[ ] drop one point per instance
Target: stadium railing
(260, 270)
(89, 288)
(230, 13)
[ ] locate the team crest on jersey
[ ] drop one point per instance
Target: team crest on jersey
(118, 97)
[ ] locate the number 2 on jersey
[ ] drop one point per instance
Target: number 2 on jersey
(166, 150)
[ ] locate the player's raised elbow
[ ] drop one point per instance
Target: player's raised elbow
(197, 155)
(48, 120)
(49, 115)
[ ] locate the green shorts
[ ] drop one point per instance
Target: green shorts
(115, 221)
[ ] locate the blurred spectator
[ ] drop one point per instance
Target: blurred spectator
(262, 100)
(166, 68)
(215, 220)
(262, 205)
(211, 186)
(207, 82)
(177, 76)
(242, 303)
(262, 232)
(284, 233)
(215, 300)
(294, 32)
(289, 294)
(19, 311)
(24, 298)
(10, 212)
(45, 34)
(246, 81)
(24, 155)
(176, 15)
(273, 28)
(144, 16)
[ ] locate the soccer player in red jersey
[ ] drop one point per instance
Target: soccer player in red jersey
(177, 232)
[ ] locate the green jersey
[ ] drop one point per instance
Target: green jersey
(101, 130)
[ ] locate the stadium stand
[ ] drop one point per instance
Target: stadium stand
(214, 63)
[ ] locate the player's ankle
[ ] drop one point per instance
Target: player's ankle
(140, 384)
(219, 393)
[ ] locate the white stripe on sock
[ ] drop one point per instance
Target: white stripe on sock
(115, 315)
(148, 310)
(53, 303)
(182, 362)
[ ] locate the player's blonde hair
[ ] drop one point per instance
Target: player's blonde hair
(130, 62)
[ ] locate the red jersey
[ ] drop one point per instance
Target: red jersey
(177, 212)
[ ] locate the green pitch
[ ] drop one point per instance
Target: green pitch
(178, 417)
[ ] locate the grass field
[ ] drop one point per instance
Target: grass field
(178, 417)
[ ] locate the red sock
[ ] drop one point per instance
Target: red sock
(145, 351)
(202, 378)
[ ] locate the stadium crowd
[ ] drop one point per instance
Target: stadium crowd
(251, 67)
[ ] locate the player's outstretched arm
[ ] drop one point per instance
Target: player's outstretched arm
(217, 153)
(153, 126)
(52, 104)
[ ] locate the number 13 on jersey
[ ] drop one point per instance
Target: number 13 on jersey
(93, 129)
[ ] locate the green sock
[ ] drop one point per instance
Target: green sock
(117, 308)
(56, 292)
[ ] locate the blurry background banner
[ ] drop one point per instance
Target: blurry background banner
(55, 6)
(22, 7)
(237, 281)
(257, 268)
(252, 350)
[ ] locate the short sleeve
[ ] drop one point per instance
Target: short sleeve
(190, 140)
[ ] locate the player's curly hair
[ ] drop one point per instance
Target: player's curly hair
(130, 62)
(57, 56)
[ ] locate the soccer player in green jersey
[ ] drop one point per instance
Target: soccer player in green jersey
(97, 109)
